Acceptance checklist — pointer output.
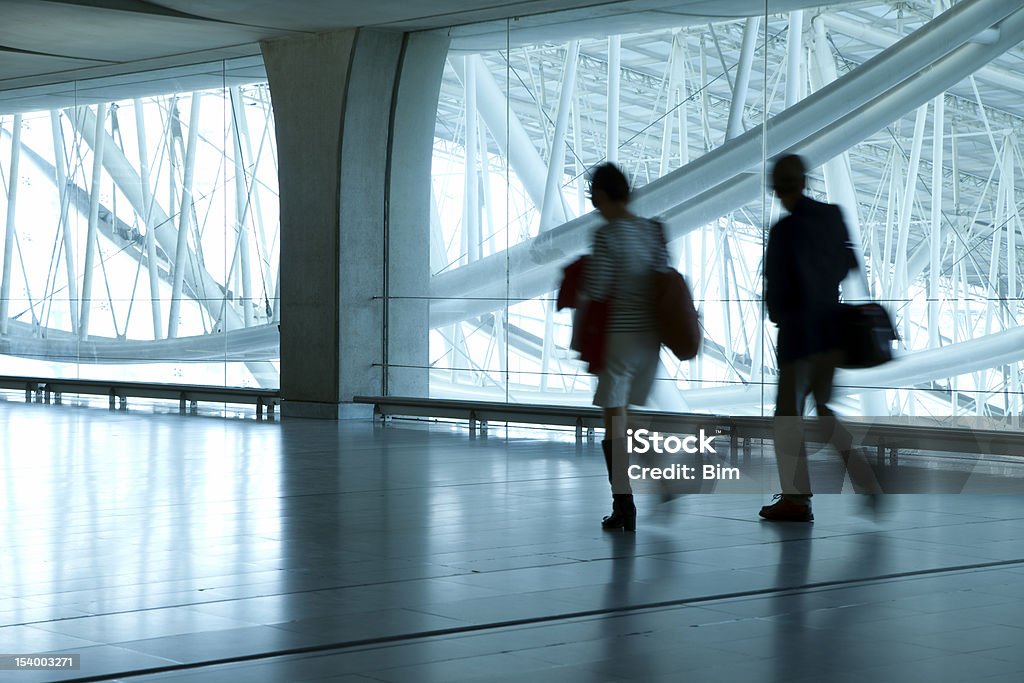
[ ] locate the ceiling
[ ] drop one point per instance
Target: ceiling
(45, 42)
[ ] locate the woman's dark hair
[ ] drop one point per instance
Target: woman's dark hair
(610, 180)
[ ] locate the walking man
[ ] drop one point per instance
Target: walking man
(808, 255)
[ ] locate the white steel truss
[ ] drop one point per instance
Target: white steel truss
(146, 242)
(158, 246)
(931, 202)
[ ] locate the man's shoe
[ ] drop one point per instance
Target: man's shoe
(783, 510)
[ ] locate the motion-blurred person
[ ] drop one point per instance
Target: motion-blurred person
(808, 255)
(627, 252)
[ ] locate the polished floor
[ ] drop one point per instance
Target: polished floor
(196, 549)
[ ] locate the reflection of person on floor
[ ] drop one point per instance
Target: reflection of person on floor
(628, 251)
(808, 255)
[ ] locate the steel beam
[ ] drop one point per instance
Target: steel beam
(263, 247)
(241, 211)
(578, 166)
(794, 53)
(1012, 226)
(873, 34)
(91, 239)
(507, 131)
(821, 126)
(614, 79)
(900, 281)
(471, 186)
(147, 214)
(935, 251)
(127, 181)
(684, 120)
(991, 351)
(60, 170)
(836, 171)
(556, 160)
(184, 218)
(13, 181)
(739, 90)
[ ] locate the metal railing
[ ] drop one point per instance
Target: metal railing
(188, 395)
(884, 434)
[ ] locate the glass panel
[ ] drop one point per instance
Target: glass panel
(922, 154)
(618, 84)
(933, 218)
(109, 277)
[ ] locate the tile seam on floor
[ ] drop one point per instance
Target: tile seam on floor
(569, 561)
(528, 621)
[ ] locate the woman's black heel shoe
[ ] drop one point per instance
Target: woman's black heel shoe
(623, 514)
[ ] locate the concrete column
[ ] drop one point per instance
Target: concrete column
(410, 191)
(354, 130)
(331, 123)
(308, 78)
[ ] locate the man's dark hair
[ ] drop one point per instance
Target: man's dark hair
(789, 175)
(610, 180)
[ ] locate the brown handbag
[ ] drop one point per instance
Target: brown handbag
(678, 322)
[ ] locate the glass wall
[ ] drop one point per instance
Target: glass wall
(917, 145)
(141, 214)
(141, 234)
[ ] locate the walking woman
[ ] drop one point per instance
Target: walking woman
(627, 252)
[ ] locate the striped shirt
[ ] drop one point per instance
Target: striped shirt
(626, 254)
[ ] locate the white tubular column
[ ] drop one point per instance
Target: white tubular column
(838, 178)
(12, 203)
(614, 78)
(794, 55)
(66, 234)
(556, 161)
(184, 219)
(471, 203)
(241, 209)
(935, 251)
(1012, 225)
(900, 283)
(739, 91)
(91, 245)
(147, 220)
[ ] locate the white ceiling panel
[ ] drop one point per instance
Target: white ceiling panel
(73, 39)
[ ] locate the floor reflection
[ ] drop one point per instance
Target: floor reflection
(411, 552)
